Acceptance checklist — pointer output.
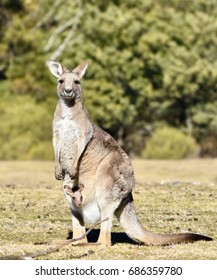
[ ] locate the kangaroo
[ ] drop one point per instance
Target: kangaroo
(89, 155)
(75, 194)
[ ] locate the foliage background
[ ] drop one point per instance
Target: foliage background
(153, 66)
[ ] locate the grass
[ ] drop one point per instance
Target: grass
(170, 196)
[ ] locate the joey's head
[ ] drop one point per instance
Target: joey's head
(69, 82)
(75, 194)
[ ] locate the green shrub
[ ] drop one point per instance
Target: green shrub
(25, 129)
(169, 143)
(42, 151)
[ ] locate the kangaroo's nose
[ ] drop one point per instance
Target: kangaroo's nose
(68, 91)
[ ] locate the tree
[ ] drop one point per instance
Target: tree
(152, 62)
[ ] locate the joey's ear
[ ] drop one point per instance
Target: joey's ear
(68, 189)
(55, 68)
(81, 69)
(81, 187)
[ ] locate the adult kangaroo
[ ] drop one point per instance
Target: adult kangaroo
(88, 155)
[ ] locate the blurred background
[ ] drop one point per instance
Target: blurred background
(151, 83)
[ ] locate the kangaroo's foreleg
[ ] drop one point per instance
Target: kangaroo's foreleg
(58, 169)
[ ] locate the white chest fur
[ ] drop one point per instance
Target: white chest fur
(67, 129)
(66, 140)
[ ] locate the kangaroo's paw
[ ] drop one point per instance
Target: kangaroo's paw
(58, 173)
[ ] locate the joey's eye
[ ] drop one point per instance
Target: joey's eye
(61, 81)
(77, 82)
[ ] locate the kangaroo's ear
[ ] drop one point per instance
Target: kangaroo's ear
(68, 189)
(81, 69)
(55, 68)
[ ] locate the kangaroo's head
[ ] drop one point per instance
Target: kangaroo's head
(69, 82)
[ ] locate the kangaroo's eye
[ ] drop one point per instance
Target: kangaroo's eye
(77, 82)
(61, 81)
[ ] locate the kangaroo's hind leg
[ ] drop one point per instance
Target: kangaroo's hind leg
(108, 202)
(78, 230)
(107, 212)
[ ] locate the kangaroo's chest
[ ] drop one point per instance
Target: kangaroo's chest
(67, 131)
(66, 140)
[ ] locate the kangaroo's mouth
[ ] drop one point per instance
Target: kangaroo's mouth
(68, 95)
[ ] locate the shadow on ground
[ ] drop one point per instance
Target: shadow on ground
(116, 237)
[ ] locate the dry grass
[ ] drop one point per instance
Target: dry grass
(171, 196)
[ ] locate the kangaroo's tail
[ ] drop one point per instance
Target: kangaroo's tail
(127, 216)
